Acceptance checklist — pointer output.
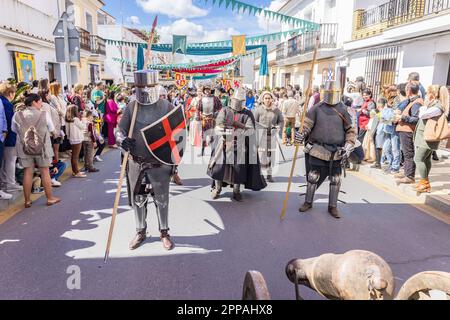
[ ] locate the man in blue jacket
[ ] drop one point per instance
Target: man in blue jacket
(8, 166)
(3, 135)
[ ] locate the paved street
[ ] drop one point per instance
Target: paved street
(216, 241)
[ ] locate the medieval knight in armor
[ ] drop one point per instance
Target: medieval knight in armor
(207, 110)
(234, 160)
(147, 177)
(329, 137)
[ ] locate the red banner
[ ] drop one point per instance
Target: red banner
(201, 70)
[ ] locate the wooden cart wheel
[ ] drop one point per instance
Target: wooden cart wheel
(428, 285)
(255, 287)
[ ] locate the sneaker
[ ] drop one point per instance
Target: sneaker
(98, 159)
(38, 190)
(376, 166)
(5, 196)
(13, 188)
(56, 183)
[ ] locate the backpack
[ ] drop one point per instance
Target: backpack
(33, 143)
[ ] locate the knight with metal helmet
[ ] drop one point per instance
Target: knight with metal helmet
(156, 146)
(329, 138)
(207, 110)
(234, 160)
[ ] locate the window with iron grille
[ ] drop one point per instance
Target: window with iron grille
(381, 68)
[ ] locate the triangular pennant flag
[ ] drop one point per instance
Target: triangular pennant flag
(244, 8)
(239, 6)
(214, 2)
(228, 4)
(179, 44)
(220, 2)
(233, 4)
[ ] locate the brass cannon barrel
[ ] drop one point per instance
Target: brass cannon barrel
(354, 275)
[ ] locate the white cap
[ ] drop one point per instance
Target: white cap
(239, 94)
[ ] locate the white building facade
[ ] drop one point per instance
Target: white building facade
(27, 48)
(290, 62)
(393, 38)
(27, 44)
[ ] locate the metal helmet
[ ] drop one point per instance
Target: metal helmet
(162, 92)
(331, 93)
(206, 87)
(146, 86)
(237, 100)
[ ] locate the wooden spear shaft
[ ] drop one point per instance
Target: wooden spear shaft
(297, 147)
(119, 186)
(125, 160)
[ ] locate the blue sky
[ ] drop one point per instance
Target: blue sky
(193, 18)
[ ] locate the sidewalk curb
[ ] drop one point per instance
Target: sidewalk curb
(439, 202)
(16, 206)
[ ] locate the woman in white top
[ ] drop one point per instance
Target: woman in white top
(55, 115)
(75, 132)
(57, 100)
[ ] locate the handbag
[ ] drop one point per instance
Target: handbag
(437, 129)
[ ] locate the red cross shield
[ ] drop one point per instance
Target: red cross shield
(166, 138)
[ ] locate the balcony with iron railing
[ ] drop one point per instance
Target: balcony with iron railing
(94, 44)
(304, 43)
(371, 22)
(98, 45)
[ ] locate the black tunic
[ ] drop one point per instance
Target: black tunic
(245, 173)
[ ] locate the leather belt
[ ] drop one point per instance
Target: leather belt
(142, 162)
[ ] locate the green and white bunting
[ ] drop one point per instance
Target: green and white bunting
(238, 6)
(217, 44)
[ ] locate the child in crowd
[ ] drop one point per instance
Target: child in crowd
(89, 142)
(380, 135)
(74, 128)
(369, 137)
(56, 171)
